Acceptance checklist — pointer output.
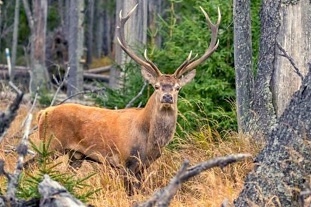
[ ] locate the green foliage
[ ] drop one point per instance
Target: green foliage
(45, 97)
(210, 99)
(28, 185)
(53, 17)
(118, 99)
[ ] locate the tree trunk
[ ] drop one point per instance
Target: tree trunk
(15, 37)
(99, 28)
(89, 36)
(109, 16)
(154, 9)
(39, 74)
(282, 169)
(61, 10)
(76, 37)
(243, 61)
(263, 116)
(295, 38)
(67, 18)
(135, 35)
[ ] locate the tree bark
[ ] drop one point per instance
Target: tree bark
(76, 37)
(263, 115)
(243, 61)
(135, 35)
(15, 37)
(154, 9)
(282, 168)
(99, 28)
(109, 24)
(39, 74)
(295, 38)
(89, 34)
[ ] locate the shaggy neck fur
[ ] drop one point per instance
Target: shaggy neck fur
(159, 123)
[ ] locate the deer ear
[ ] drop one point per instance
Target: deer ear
(184, 79)
(148, 76)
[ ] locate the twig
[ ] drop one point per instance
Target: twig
(164, 196)
(60, 86)
(291, 60)
(137, 96)
(82, 92)
(22, 152)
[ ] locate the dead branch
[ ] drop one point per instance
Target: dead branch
(82, 92)
(8, 116)
(60, 86)
(22, 152)
(291, 60)
(53, 194)
(164, 196)
(137, 96)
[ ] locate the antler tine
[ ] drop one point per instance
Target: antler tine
(212, 46)
(152, 64)
(121, 40)
(185, 63)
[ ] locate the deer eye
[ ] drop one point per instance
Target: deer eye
(156, 86)
(177, 88)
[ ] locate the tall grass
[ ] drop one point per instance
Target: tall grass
(208, 189)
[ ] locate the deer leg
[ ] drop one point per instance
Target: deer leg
(133, 176)
(75, 159)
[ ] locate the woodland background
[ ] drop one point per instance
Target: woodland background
(252, 95)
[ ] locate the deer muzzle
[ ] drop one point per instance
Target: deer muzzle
(167, 99)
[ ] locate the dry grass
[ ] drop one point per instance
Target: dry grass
(208, 189)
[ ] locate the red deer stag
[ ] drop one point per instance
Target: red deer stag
(132, 138)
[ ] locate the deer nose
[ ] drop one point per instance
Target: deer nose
(167, 98)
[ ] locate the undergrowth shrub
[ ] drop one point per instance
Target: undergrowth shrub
(29, 181)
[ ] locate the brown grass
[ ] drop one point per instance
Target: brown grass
(208, 189)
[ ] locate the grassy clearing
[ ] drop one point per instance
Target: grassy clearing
(208, 189)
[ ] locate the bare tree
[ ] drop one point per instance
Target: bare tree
(154, 9)
(89, 34)
(15, 37)
(135, 34)
(294, 36)
(76, 40)
(261, 99)
(243, 61)
(37, 23)
(282, 169)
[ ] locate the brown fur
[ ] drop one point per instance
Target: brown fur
(132, 138)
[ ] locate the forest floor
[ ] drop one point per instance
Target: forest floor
(210, 188)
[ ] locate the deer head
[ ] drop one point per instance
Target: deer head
(167, 86)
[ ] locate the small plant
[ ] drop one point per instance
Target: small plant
(28, 185)
(45, 98)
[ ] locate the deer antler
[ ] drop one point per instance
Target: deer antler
(150, 66)
(191, 63)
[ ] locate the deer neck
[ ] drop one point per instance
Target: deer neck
(159, 122)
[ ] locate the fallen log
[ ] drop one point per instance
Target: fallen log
(92, 76)
(4, 74)
(100, 69)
